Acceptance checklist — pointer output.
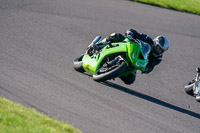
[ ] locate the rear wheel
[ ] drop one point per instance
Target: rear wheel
(78, 64)
(107, 71)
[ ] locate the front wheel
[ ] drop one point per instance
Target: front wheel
(106, 73)
(198, 98)
(78, 64)
(189, 88)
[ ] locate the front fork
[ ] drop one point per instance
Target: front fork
(129, 69)
(118, 59)
(114, 61)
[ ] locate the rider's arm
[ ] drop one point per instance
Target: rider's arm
(152, 63)
(142, 37)
(115, 37)
(145, 38)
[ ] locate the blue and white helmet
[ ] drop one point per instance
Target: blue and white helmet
(162, 42)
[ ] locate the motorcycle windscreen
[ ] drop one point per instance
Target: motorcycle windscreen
(145, 49)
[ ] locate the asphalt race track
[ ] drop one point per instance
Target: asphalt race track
(39, 39)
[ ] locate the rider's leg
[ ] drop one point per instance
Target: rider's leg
(114, 37)
(102, 43)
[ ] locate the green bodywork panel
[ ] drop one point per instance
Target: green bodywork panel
(91, 64)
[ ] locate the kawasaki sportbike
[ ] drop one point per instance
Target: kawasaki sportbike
(193, 87)
(114, 60)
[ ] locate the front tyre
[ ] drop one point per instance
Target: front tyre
(198, 98)
(189, 88)
(102, 75)
(78, 64)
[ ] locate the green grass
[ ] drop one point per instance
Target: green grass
(190, 6)
(14, 118)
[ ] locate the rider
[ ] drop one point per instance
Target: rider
(159, 45)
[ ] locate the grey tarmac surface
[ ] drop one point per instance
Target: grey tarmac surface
(39, 39)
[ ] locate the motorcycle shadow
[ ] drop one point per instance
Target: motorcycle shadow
(151, 99)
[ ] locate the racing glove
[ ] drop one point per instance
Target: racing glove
(147, 70)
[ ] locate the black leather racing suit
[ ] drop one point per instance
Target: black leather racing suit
(154, 58)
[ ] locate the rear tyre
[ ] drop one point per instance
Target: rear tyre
(78, 64)
(189, 88)
(111, 73)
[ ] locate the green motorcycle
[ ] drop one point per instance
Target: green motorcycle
(114, 60)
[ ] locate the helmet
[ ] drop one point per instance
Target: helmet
(161, 44)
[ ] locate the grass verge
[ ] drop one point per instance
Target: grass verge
(189, 6)
(14, 118)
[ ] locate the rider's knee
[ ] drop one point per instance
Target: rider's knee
(129, 79)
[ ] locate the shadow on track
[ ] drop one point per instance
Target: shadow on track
(151, 99)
